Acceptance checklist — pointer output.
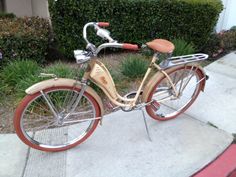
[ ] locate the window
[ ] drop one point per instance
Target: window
(2, 6)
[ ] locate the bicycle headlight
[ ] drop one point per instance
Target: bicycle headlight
(81, 56)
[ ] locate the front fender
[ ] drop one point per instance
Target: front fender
(63, 82)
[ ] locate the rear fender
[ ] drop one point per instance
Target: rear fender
(159, 75)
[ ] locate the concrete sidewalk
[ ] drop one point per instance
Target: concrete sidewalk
(120, 148)
(217, 104)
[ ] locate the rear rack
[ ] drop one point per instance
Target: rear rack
(181, 60)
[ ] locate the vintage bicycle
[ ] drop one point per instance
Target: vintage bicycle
(60, 113)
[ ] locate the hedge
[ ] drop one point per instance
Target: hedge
(23, 38)
(7, 15)
(135, 21)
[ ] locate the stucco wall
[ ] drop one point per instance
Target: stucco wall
(28, 7)
(19, 7)
(40, 8)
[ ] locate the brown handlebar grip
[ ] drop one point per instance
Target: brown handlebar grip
(130, 46)
(103, 24)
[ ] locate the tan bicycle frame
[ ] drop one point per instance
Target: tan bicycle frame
(98, 73)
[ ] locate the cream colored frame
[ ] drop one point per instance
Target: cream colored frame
(124, 102)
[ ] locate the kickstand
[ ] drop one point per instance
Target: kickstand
(146, 126)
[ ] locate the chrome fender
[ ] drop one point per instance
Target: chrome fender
(159, 75)
(63, 82)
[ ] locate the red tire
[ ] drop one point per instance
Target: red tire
(38, 129)
(166, 110)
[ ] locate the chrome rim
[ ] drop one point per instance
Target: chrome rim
(41, 128)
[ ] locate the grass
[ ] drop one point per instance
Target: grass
(17, 76)
(16, 71)
(63, 70)
(134, 66)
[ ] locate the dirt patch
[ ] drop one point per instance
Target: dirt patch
(6, 116)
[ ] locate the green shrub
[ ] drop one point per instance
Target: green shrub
(15, 72)
(7, 15)
(182, 47)
(17, 76)
(26, 83)
(2, 89)
(213, 44)
(233, 28)
(228, 40)
(134, 66)
(134, 20)
(24, 38)
(62, 70)
(222, 42)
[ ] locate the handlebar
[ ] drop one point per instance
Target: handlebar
(103, 33)
(103, 24)
(130, 46)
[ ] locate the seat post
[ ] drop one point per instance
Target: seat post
(165, 62)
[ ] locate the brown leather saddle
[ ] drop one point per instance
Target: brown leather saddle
(161, 45)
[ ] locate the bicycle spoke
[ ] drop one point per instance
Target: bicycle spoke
(42, 126)
(50, 104)
(189, 77)
(81, 120)
(67, 99)
(72, 101)
(197, 83)
(46, 115)
(38, 115)
(41, 106)
(187, 82)
(80, 113)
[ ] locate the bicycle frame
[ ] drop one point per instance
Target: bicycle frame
(98, 73)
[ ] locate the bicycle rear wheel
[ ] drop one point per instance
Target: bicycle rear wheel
(38, 127)
(188, 80)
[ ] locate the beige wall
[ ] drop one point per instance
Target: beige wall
(28, 7)
(40, 8)
(19, 7)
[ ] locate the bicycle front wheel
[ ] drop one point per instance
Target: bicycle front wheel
(38, 127)
(188, 82)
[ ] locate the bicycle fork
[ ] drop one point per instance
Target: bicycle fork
(76, 99)
(72, 106)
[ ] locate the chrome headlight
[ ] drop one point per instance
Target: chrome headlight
(81, 56)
